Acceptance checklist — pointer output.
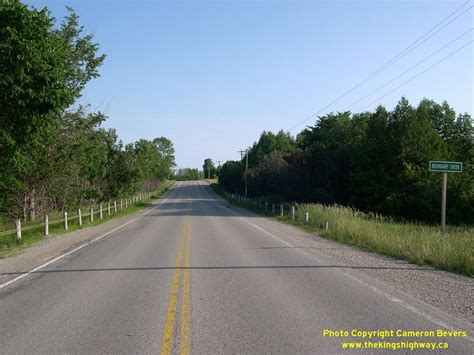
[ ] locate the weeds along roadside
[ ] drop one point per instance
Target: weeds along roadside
(34, 232)
(417, 243)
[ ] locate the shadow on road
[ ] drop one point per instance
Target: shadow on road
(198, 200)
(229, 267)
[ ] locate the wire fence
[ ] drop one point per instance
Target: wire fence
(319, 214)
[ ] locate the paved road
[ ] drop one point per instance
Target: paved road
(194, 276)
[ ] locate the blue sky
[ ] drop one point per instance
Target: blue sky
(212, 75)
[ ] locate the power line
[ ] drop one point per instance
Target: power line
(409, 69)
(420, 73)
(423, 38)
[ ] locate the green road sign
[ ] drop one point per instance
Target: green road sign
(446, 166)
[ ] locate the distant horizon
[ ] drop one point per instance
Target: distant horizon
(211, 76)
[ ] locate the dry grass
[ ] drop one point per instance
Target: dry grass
(415, 242)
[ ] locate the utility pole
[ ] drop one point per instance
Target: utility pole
(218, 167)
(246, 168)
(246, 152)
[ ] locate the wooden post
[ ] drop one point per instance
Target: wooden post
(273, 208)
(100, 211)
(121, 205)
(108, 209)
(126, 202)
(65, 220)
(92, 215)
(443, 203)
(281, 210)
(18, 230)
(46, 225)
(306, 218)
(293, 213)
(79, 217)
(115, 206)
(326, 225)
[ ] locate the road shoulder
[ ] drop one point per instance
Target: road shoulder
(451, 293)
(51, 248)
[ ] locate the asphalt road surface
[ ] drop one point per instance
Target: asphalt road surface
(194, 275)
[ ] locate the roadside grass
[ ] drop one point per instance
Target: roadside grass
(414, 242)
(9, 246)
(211, 181)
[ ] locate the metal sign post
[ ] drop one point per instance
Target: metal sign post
(444, 167)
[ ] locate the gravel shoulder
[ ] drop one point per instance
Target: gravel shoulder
(54, 246)
(448, 292)
(451, 293)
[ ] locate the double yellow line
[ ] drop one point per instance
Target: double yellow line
(183, 261)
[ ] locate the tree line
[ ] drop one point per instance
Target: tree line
(186, 174)
(54, 153)
(373, 161)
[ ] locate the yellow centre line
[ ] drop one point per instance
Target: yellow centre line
(185, 307)
(167, 339)
(168, 331)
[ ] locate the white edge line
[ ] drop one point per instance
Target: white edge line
(373, 288)
(42, 266)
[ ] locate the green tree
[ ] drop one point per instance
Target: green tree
(209, 169)
(166, 149)
(42, 72)
(186, 174)
(231, 176)
(369, 184)
(270, 142)
(375, 161)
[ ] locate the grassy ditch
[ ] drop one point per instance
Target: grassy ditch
(417, 243)
(9, 246)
